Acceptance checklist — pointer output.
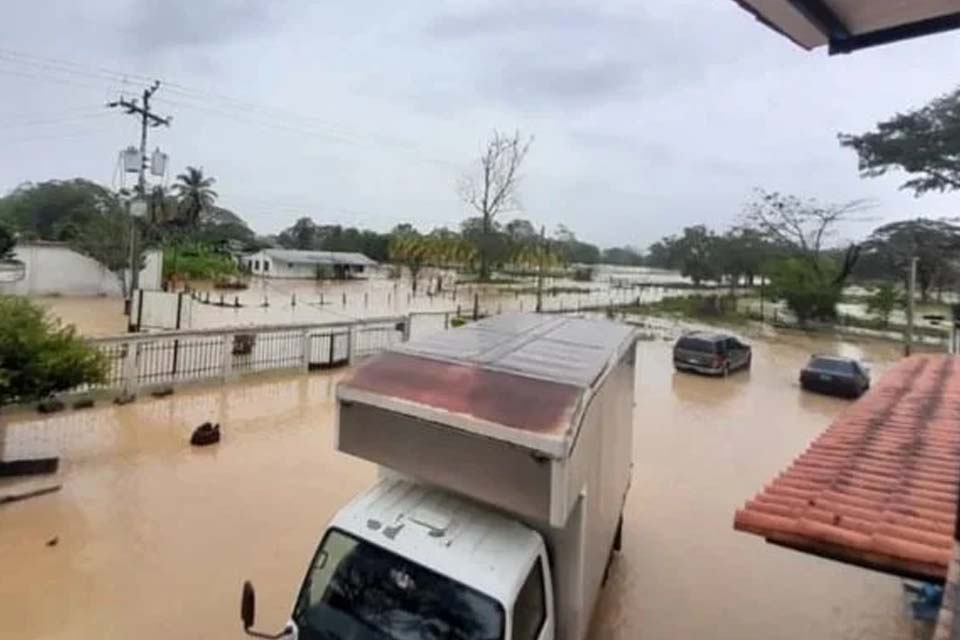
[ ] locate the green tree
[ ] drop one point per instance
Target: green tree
(923, 142)
(573, 249)
(8, 243)
(301, 235)
(493, 190)
(38, 357)
(804, 228)
(695, 254)
(412, 251)
(934, 243)
(626, 256)
(196, 196)
(810, 293)
(57, 209)
(106, 239)
(882, 301)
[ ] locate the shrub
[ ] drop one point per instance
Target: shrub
(882, 301)
(810, 293)
(39, 357)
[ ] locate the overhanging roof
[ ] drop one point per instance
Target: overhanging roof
(879, 487)
(848, 25)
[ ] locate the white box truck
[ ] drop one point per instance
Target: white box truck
(505, 455)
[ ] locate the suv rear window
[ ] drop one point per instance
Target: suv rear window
(697, 344)
(831, 365)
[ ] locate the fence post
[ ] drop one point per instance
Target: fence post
(349, 344)
(131, 370)
(476, 306)
(305, 346)
(226, 356)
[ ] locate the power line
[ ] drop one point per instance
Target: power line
(50, 121)
(231, 107)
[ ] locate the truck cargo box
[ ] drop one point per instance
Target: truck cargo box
(495, 410)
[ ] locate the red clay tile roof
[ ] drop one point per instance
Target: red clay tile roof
(879, 487)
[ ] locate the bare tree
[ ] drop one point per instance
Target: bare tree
(804, 227)
(493, 190)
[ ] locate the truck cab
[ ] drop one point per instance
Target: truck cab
(404, 560)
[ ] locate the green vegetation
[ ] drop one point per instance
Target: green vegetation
(883, 301)
(38, 357)
(197, 262)
(923, 142)
(810, 292)
(8, 243)
(706, 309)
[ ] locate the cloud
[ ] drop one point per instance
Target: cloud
(156, 26)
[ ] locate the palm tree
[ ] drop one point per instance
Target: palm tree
(195, 194)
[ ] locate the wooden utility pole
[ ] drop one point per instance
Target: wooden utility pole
(541, 257)
(147, 119)
(911, 288)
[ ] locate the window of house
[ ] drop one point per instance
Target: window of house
(530, 609)
(266, 265)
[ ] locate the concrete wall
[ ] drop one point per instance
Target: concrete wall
(57, 269)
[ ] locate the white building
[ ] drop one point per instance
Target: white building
(290, 263)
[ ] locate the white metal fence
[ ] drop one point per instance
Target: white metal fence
(150, 360)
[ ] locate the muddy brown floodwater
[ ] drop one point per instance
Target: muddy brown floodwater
(155, 539)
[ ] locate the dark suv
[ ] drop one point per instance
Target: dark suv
(713, 353)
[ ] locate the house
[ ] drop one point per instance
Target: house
(291, 263)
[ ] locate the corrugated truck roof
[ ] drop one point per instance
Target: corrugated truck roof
(518, 377)
(879, 487)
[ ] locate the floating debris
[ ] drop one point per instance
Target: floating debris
(205, 434)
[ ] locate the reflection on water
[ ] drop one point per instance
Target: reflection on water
(155, 538)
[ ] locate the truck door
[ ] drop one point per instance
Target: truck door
(532, 610)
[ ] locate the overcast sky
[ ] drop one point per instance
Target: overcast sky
(647, 116)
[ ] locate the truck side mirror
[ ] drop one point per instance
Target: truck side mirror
(248, 605)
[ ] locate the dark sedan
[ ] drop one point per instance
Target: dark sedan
(835, 375)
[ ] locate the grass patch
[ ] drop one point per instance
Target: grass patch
(705, 309)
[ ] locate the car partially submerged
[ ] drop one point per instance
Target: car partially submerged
(835, 375)
(711, 353)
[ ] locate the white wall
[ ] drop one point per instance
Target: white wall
(57, 269)
(278, 268)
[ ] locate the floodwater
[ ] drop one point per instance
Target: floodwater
(275, 302)
(154, 538)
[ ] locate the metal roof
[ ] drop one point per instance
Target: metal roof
(522, 378)
(848, 25)
(555, 348)
(320, 257)
(879, 487)
(443, 531)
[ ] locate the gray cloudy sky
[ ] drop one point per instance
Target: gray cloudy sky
(647, 116)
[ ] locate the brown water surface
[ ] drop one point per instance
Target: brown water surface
(155, 538)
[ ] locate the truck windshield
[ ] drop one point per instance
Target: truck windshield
(356, 590)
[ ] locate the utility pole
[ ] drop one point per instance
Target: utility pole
(541, 256)
(911, 288)
(147, 119)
